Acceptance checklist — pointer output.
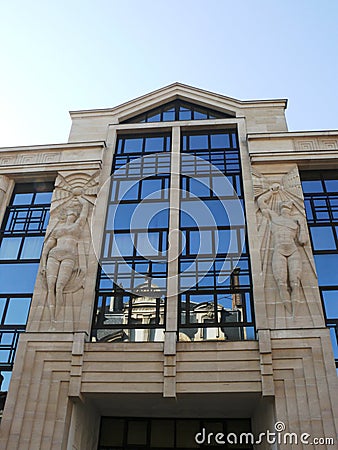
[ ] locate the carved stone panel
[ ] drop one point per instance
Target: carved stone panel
(287, 265)
(64, 260)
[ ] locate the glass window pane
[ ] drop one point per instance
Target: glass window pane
(158, 220)
(198, 142)
(17, 312)
(18, 278)
(312, 186)
(133, 145)
(331, 304)
(111, 433)
(32, 247)
(327, 272)
(169, 115)
(200, 188)
(185, 433)
(155, 117)
(184, 114)
(123, 244)
(151, 187)
(220, 141)
(127, 190)
(199, 115)
(322, 238)
(23, 199)
(9, 248)
(2, 306)
(137, 432)
(201, 242)
(331, 185)
(162, 433)
(148, 244)
(119, 216)
(154, 144)
(43, 198)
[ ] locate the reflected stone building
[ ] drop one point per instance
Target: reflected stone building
(170, 271)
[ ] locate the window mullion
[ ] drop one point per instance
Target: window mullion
(173, 235)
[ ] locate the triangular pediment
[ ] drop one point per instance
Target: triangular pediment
(199, 101)
(182, 98)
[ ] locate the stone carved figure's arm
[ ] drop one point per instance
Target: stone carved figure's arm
(49, 244)
(302, 235)
(264, 198)
(81, 220)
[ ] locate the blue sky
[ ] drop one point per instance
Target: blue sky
(66, 55)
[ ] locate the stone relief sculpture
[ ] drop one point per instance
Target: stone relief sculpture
(63, 260)
(282, 230)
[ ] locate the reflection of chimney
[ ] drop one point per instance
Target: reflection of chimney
(234, 284)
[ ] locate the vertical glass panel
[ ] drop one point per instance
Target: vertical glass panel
(184, 114)
(160, 219)
(17, 278)
(148, 244)
(137, 432)
(198, 142)
(122, 244)
(2, 307)
(201, 242)
(312, 186)
(127, 190)
(119, 216)
(154, 117)
(133, 145)
(112, 432)
(17, 312)
(334, 342)
(331, 185)
(152, 187)
(154, 144)
(327, 272)
(322, 238)
(169, 115)
(23, 199)
(32, 247)
(43, 198)
(331, 303)
(199, 115)
(185, 433)
(220, 141)
(199, 188)
(162, 433)
(9, 248)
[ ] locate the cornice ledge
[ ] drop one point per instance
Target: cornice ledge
(54, 147)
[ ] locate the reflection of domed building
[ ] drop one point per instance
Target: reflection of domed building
(182, 325)
(144, 311)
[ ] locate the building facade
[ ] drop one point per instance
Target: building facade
(169, 279)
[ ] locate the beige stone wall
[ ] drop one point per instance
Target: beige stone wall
(62, 383)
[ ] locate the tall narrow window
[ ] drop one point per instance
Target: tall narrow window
(321, 204)
(215, 284)
(130, 304)
(21, 240)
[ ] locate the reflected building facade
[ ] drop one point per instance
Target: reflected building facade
(172, 268)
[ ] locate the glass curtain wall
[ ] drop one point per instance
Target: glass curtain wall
(215, 283)
(21, 240)
(214, 290)
(131, 303)
(321, 204)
